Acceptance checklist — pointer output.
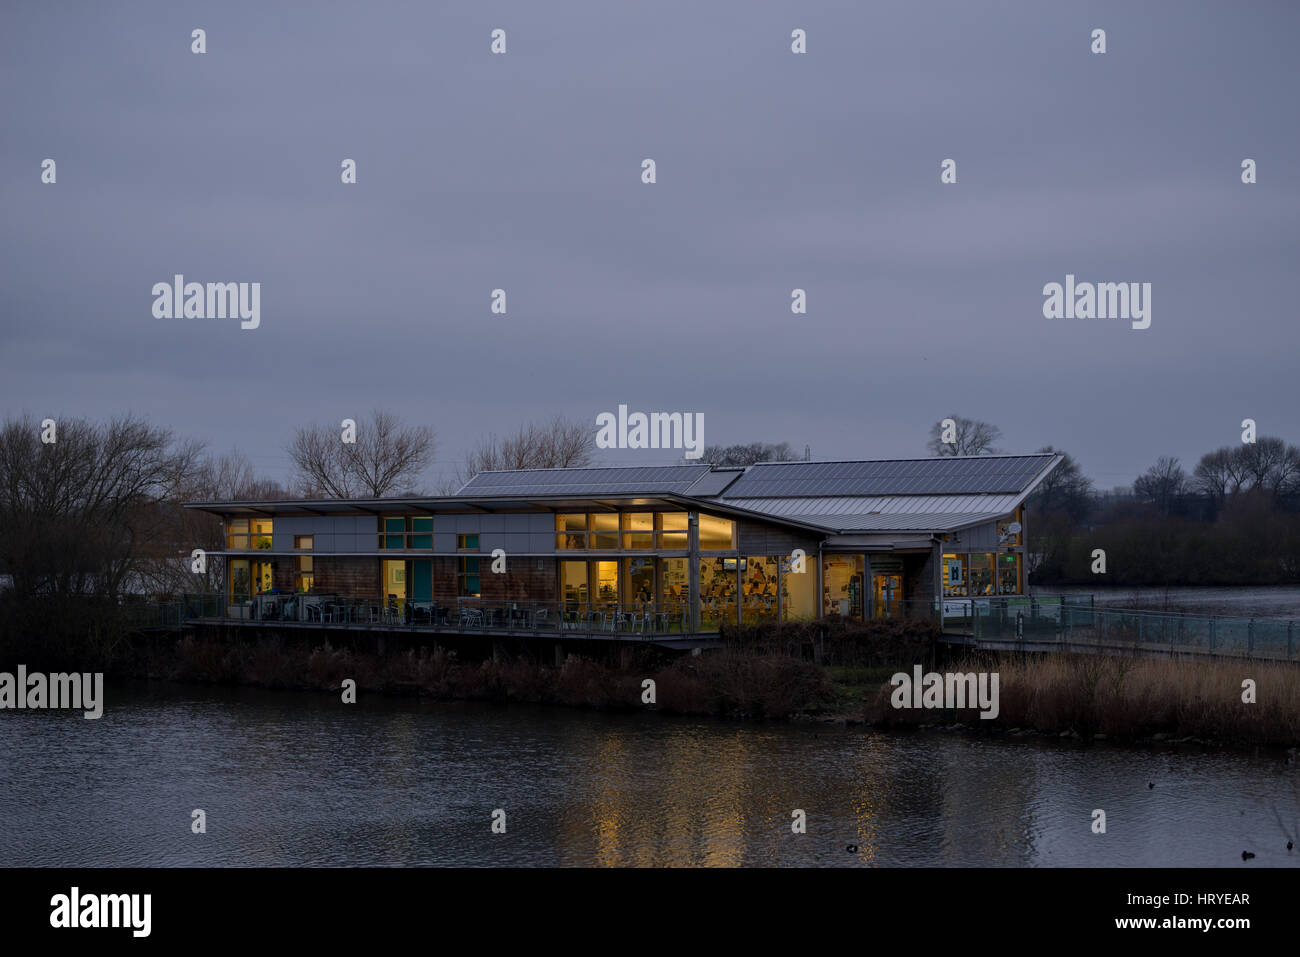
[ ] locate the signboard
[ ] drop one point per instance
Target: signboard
(961, 607)
(952, 571)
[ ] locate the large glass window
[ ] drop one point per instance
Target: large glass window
(639, 585)
(980, 570)
(421, 531)
(241, 581)
(717, 534)
(674, 532)
(263, 577)
(799, 590)
(618, 531)
(758, 588)
(394, 578)
(638, 528)
(572, 529)
(605, 531)
(406, 531)
(842, 585)
(573, 582)
(675, 575)
(469, 583)
(248, 533)
(606, 581)
(1009, 574)
(305, 577)
(717, 592)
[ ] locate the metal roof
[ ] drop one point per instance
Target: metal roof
(947, 475)
(841, 507)
(616, 480)
(894, 495)
(902, 521)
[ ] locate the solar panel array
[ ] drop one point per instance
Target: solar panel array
(715, 482)
(941, 476)
(662, 479)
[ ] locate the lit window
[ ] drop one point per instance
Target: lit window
(716, 534)
(469, 584)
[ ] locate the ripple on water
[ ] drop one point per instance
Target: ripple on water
(298, 780)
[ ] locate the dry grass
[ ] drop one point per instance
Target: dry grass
(1129, 698)
(729, 685)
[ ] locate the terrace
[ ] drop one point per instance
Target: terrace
(665, 624)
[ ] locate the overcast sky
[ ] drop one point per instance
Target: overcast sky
(775, 171)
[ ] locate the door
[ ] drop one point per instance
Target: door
(887, 594)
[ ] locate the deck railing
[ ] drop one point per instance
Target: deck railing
(1049, 620)
(464, 614)
(1028, 619)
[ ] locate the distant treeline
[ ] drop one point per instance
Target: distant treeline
(1235, 520)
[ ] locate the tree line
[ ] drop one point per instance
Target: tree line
(1233, 519)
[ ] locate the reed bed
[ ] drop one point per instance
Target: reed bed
(1127, 698)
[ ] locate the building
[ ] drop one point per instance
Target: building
(680, 548)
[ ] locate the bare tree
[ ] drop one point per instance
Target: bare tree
(970, 437)
(1064, 489)
(1162, 483)
(167, 569)
(78, 515)
(748, 453)
(1218, 474)
(1268, 465)
(386, 459)
(555, 444)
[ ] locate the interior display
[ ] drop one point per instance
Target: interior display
(842, 577)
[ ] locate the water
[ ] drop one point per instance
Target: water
(290, 779)
(1243, 601)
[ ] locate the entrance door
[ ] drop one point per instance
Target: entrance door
(887, 593)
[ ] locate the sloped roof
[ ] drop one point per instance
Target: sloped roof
(615, 480)
(842, 506)
(947, 475)
(901, 521)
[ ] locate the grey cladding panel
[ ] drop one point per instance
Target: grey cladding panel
(490, 540)
(297, 525)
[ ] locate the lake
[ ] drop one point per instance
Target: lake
(1272, 601)
(294, 779)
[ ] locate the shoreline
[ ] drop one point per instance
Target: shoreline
(1142, 702)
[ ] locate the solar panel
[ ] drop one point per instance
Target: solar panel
(939, 476)
(586, 481)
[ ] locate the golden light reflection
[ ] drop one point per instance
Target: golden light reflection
(869, 794)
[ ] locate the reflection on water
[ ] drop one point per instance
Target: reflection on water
(290, 779)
